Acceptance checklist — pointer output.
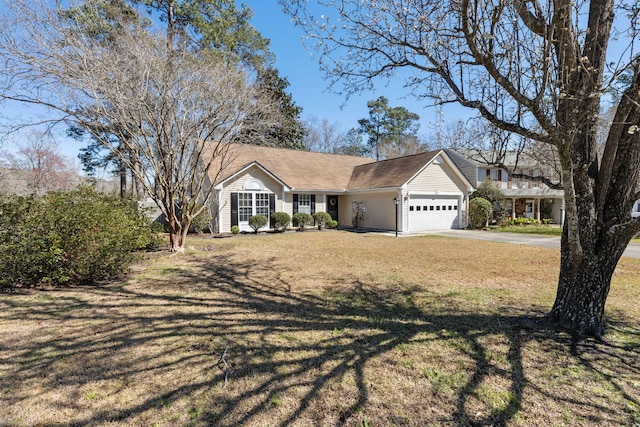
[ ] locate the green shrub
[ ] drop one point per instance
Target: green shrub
(301, 220)
(235, 229)
(488, 190)
(321, 219)
(256, 222)
(480, 211)
(332, 224)
(75, 236)
(524, 222)
(280, 221)
(202, 221)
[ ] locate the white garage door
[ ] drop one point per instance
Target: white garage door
(433, 213)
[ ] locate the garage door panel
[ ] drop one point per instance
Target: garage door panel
(433, 213)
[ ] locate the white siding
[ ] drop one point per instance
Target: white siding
(380, 210)
(436, 177)
(237, 184)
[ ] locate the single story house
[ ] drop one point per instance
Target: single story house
(409, 194)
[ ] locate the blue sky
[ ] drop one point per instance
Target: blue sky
(307, 84)
(309, 88)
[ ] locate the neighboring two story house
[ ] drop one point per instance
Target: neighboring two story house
(529, 198)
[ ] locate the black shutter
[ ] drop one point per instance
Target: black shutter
(313, 204)
(295, 204)
(272, 203)
(234, 209)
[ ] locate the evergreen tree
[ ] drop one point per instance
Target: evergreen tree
(390, 129)
(281, 128)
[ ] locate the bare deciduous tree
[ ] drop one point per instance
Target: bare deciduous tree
(538, 70)
(172, 111)
(323, 135)
(38, 164)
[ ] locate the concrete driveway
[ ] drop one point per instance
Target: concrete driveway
(553, 242)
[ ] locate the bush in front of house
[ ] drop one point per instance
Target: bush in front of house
(480, 211)
(332, 224)
(321, 219)
(524, 222)
(280, 221)
(202, 221)
(488, 191)
(77, 236)
(235, 229)
(301, 220)
(256, 222)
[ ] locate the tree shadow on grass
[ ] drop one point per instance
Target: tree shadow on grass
(341, 354)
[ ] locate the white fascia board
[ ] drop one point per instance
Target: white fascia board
(315, 190)
(374, 190)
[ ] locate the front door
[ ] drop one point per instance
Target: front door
(332, 207)
(529, 209)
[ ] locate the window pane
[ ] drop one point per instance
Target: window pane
(245, 206)
(262, 204)
(304, 203)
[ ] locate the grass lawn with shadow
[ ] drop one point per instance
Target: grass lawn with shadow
(324, 329)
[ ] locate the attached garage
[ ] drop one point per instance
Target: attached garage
(427, 212)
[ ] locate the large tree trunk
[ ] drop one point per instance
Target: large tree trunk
(176, 236)
(583, 286)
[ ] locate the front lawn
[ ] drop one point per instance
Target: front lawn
(320, 329)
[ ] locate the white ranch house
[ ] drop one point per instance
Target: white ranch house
(424, 191)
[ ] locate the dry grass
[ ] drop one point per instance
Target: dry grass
(321, 329)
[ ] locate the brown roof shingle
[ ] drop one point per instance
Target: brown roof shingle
(306, 170)
(302, 170)
(389, 173)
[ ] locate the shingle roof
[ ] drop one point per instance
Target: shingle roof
(302, 170)
(306, 170)
(389, 173)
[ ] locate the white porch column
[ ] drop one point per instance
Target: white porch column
(538, 210)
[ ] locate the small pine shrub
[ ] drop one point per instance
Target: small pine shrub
(256, 222)
(280, 221)
(332, 224)
(235, 229)
(321, 219)
(301, 220)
